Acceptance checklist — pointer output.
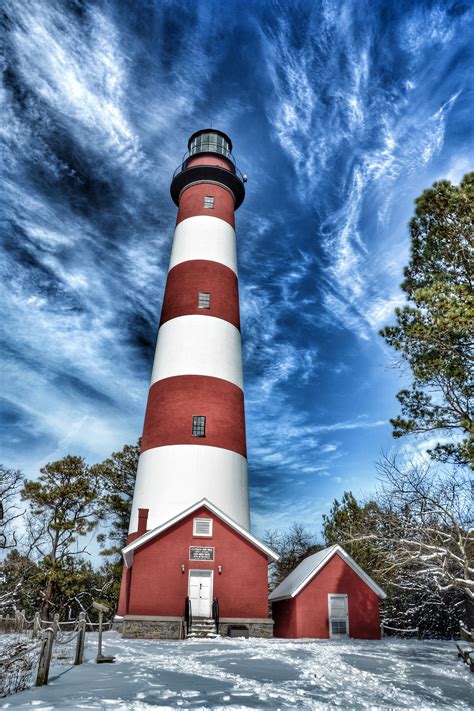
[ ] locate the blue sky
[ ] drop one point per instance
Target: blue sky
(341, 113)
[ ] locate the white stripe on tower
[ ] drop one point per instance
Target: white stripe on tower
(198, 345)
(164, 493)
(198, 361)
(203, 237)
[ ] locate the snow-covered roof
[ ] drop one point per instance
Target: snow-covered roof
(310, 566)
(127, 552)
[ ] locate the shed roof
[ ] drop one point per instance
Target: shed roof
(310, 566)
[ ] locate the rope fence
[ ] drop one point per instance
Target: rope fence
(398, 630)
(39, 641)
(105, 625)
(465, 632)
(17, 664)
(60, 640)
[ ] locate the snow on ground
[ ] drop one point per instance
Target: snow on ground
(257, 673)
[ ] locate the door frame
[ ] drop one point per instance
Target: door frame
(331, 634)
(208, 572)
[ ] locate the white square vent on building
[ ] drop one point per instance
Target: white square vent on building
(202, 527)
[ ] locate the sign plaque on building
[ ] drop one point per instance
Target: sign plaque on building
(201, 553)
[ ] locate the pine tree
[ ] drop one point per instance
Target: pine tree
(63, 507)
(116, 476)
(347, 524)
(20, 584)
(434, 332)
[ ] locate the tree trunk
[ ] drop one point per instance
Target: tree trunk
(469, 613)
(46, 602)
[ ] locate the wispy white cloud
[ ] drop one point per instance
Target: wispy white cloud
(425, 27)
(83, 79)
(457, 168)
(87, 236)
(390, 133)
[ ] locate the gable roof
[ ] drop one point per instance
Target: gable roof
(127, 552)
(310, 566)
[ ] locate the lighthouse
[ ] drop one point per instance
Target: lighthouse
(190, 553)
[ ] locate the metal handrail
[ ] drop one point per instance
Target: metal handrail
(226, 153)
(215, 613)
(188, 615)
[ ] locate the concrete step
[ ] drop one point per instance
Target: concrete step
(203, 629)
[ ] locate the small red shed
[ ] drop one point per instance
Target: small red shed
(327, 596)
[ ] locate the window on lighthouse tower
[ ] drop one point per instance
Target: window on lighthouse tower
(204, 300)
(199, 426)
(209, 202)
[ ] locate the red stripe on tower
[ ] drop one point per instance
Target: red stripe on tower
(192, 202)
(173, 402)
(201, 287)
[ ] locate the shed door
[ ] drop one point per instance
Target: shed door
(338, 616)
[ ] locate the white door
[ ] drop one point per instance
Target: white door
(338, 616)
(200, 592)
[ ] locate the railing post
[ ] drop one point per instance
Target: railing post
(45, 657)
(188, 615)
(81, 632)
(215, 613)
(418, 633)
(381, 630)
(36, 625)
(22, 621)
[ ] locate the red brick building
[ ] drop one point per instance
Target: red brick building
(200, 553)
(327, 596)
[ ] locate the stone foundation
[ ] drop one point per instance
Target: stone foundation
(257, 626)
(147, 627)
(117, 624)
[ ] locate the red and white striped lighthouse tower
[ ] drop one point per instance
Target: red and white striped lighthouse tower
(193, 461)
(193, 443)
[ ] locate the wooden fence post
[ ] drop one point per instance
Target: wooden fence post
(381, 630)
(81, 633)
(45, 657)
(55, 625)
(99, 641)
(36, 625)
